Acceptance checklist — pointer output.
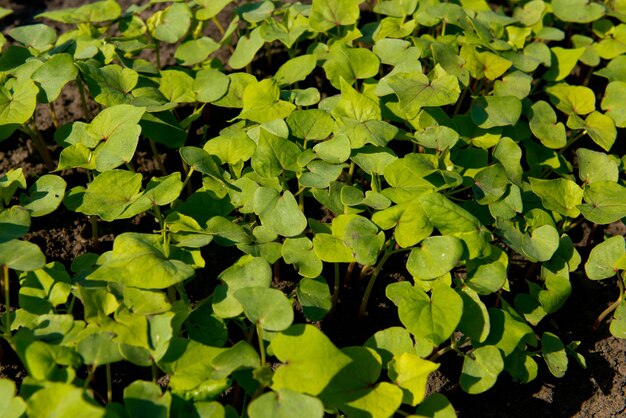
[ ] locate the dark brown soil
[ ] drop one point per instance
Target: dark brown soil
(598, 391)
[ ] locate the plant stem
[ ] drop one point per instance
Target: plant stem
(440, 353)
(158, 158)
(259, 333)
(218, 25)
(92, 371)
(189, 171)
(350, 174)
(348, 275)
(53, 114)
(109, 383)
(83, 99)
(612, 307)
(572, 140)
(335, 298)
(6, 318)
(94, 229)
(157, 52)
(375, 273)
(155, 372)
(39, 143)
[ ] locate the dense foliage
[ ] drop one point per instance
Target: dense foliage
(453, 137)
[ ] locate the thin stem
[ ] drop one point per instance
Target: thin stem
(613, 306)
(53, 114)
(335, 289)
(259, 333)
(218, 25)
(158, 158)
(92, 371)
(348, 275)
(350, 174)
(39, 143)
(189, 171)
(157, 52)
(109, 383)
(155, 372)
(375, 273)
(459, 102)
(6, 318)
(94, 229)
(441, 352)
(572, 140)
(83, 99)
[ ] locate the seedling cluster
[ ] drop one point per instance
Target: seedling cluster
(450, 141)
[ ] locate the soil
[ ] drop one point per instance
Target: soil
(598, 391)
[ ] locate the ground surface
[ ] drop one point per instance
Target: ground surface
(598, 391)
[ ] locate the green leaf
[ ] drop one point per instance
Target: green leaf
(435, 257)
(246, 272)
(269, 308)
(490, 184)
(116, 131)
(410, 373)
(434, 318)
(45, 195)
(604, 202)
(612, 103)
(261, 102)
(143, 398)
(481, 369)
(232, 147)
(415, 91)
(171, 24)
(327, 14)
(349, 64)
(296, 69)
(601, 129)
(618, 324)
(110, 194)
(18, 99)
(493, 111)
(516, 84)
(62, 400)
(99, 11)
(391, 342)
(200, 161)
(238, 83)
(246, 49)
(437, 137)
(53, 75)
(14, 223)
(507, 331)
(332, 249)
(335, 150)
(572, 99)
(553, 352)
(274, 154)
(142, 261)
(196, 50)
(310, 124)
(21, 255)
(541, 244)
(38, 36)
(309, 360)
(475, 319)
(579, 11)
(11, 406)
(99, 349)
(451, 219)
(299, 252)
(594, 166)
(285, 403)
(544, 125)
(563, 62)
(280, 213)
(435, 406)
(177, 86)
(210, 85)
(604, 259)
(560, 195)
(314, 297)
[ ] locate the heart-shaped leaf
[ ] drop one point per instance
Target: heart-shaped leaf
(604, 202)
(435, 257)
(142, 260)
(544, 125)
(269, 308)
(481, 369)
(606, 259)
(310, 360)
(411, 372)
(285, 403)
